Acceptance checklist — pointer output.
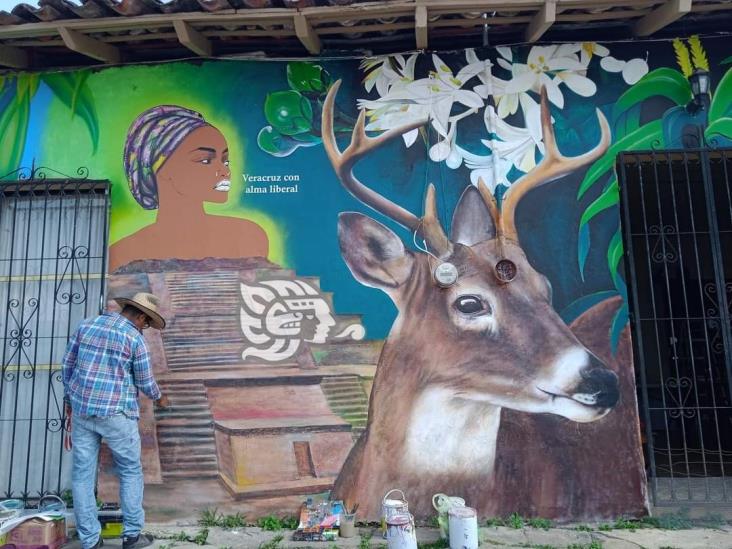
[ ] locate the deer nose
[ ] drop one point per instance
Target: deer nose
(601, 383)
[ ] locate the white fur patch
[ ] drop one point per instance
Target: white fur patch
(451, 435)
(565, 372)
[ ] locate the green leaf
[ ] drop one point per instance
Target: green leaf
(615, 253)
(575, 309)
(307, 77)
(288, 112)
(583, 248)
(726, 61)
(662, 82)
(641, 138)
(627, 122)
(722, 99)
(609, 198)
(13, 130)
(273, 142)
(72, 90)
(722, 126)
(617, 326)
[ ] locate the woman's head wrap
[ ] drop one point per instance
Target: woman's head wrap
(152, 138)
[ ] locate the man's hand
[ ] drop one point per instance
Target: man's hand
(163, 402)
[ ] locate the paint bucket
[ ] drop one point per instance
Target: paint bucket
(50, 503)
(463, 528)
(400, 532)
(442, 505)
(348, 525)
(391, 507)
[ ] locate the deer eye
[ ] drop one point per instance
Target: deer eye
(471, 305)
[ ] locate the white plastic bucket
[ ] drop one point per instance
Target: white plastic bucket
(463, 528)
(400, 532)
(392, 506)
(442, 505)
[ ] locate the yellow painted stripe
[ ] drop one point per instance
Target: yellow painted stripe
(39, 367)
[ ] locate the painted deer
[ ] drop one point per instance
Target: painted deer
(457, 356)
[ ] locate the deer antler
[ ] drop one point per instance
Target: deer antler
(428, 226)
(553, 166)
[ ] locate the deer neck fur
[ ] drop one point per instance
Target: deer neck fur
(427, 429)
(451, 435)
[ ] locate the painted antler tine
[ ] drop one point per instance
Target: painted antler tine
(327, 130)
(547, 130)
(360, 145)
(553, 166)
(359, 139)
(431, 228)
(489, 200)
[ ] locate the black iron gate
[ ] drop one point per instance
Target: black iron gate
(677, 225)
(53, 237)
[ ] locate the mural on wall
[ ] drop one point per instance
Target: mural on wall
(309, 348)
(175, 162)
(279, 316)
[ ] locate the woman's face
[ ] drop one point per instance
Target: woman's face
(198, 169)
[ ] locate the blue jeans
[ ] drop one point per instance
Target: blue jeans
(123, 439)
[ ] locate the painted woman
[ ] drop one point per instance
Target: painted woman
(175, 162)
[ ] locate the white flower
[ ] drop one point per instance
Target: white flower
(387, 116)
(388, 71)
(491, 169)
(632, 70)
(542, 62)
(446, 149)
(509, 145)
(438, 93)
(592, 48)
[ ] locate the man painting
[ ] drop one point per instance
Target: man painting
(106, 363)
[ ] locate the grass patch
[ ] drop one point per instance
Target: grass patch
(516, 521)
(365, 542)
(274, 543)
(538, 522)
(273, 523)
(211, 518)
(200, 537)
(439, 544)
(594, 544)
(234, 521)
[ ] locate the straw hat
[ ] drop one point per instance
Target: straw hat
(148, 304)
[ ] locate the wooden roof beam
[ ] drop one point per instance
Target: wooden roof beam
(307, 34)
(13, 57)
(192, 39)
(541, 22)
(662, 16)
(91, 47)
(420, 27)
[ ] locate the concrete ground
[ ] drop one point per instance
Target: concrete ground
(566, 537)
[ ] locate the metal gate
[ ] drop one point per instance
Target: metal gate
(53, 238)
(677, 227)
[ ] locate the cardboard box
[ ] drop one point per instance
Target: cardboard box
(38, 533)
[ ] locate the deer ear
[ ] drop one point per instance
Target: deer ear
(374, 254)
(472, 221)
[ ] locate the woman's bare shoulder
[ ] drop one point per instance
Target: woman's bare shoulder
(244, 231)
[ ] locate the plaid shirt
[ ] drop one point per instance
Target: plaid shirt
(106, 362)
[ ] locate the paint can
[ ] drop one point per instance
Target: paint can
(442, 504)
(348, 525)
(400, 532)
(391, 507)
(463, 528)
